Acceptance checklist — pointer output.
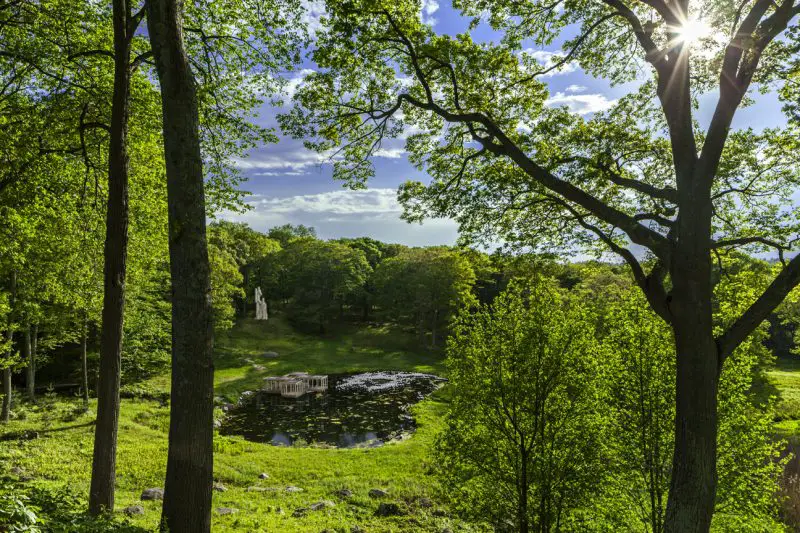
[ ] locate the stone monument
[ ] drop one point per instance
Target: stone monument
(261, 306)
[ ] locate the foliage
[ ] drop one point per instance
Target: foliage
(16, 514)
(241, 242)
(59, 458)
(323, 276)
(247, 248)
(424, 287)
(524, 433)
(226, 286)
(639, 356)
(56, 510)
(288, 232)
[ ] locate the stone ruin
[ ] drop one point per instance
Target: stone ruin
(261, 306)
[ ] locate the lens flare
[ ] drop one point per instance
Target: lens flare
(693, 30)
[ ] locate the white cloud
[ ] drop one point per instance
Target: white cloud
(298, 160)
(313, 11)
(347, 213)
(343, 202)
(575, 89)
(283, 173)
(291, 162)
(427, 10)
(547, 59)
(582, 104)
(294, 82)
(389, 153)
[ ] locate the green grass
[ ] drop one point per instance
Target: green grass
(62, 454)
(783, 381)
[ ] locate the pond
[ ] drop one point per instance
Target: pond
(357, 410)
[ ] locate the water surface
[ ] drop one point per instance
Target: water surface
(365, 409)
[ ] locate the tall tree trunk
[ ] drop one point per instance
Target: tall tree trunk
(84, 365)
(187, 495)
(690, 505)
(34, 347)
(101, 494)
(522, 505)
(5, 414)
(30, 369)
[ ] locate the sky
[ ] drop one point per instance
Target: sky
(291, 184)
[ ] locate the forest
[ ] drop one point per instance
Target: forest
(610, 343)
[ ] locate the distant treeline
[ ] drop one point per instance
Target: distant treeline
(318, 285)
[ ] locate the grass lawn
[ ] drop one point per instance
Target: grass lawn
(783, 381)
(61, 456)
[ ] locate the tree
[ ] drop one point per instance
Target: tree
(187, 498)
(322, 277)
(8, 346)
(101, 493)
(639, 353)
(226, 286)
(503, 162)
(640, 360)
(375, 252)
(424, 287)
(524, 431)
(288, 232)
(247, 248)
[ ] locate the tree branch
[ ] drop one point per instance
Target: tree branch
(141, 58)
(651, 284)
(89, 53)
(742, 56)
(780, 287)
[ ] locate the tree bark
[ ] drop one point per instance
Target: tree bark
(101, 494)
(522, 506)
(187, 495)
(690, 504)
(84, 365)
(5, 413)
(34, 346)
(30, 369)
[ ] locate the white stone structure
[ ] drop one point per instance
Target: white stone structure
(295, 384)
(261, 306)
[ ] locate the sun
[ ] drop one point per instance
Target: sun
(693, 30)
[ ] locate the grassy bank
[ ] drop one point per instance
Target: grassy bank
(783, 382)
(61, 456)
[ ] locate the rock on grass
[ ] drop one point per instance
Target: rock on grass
(389, 509)
(152, 494)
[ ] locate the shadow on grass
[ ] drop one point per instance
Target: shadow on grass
(30, 434)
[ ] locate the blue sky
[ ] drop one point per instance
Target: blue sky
(290, 184)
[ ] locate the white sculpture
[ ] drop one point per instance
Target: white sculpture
(261, 306)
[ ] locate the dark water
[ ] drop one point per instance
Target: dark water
(358, 409)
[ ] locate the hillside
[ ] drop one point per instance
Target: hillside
(60, 457)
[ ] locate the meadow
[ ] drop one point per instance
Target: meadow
(61, 454)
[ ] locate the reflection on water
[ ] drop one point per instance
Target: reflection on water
(357, 410)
